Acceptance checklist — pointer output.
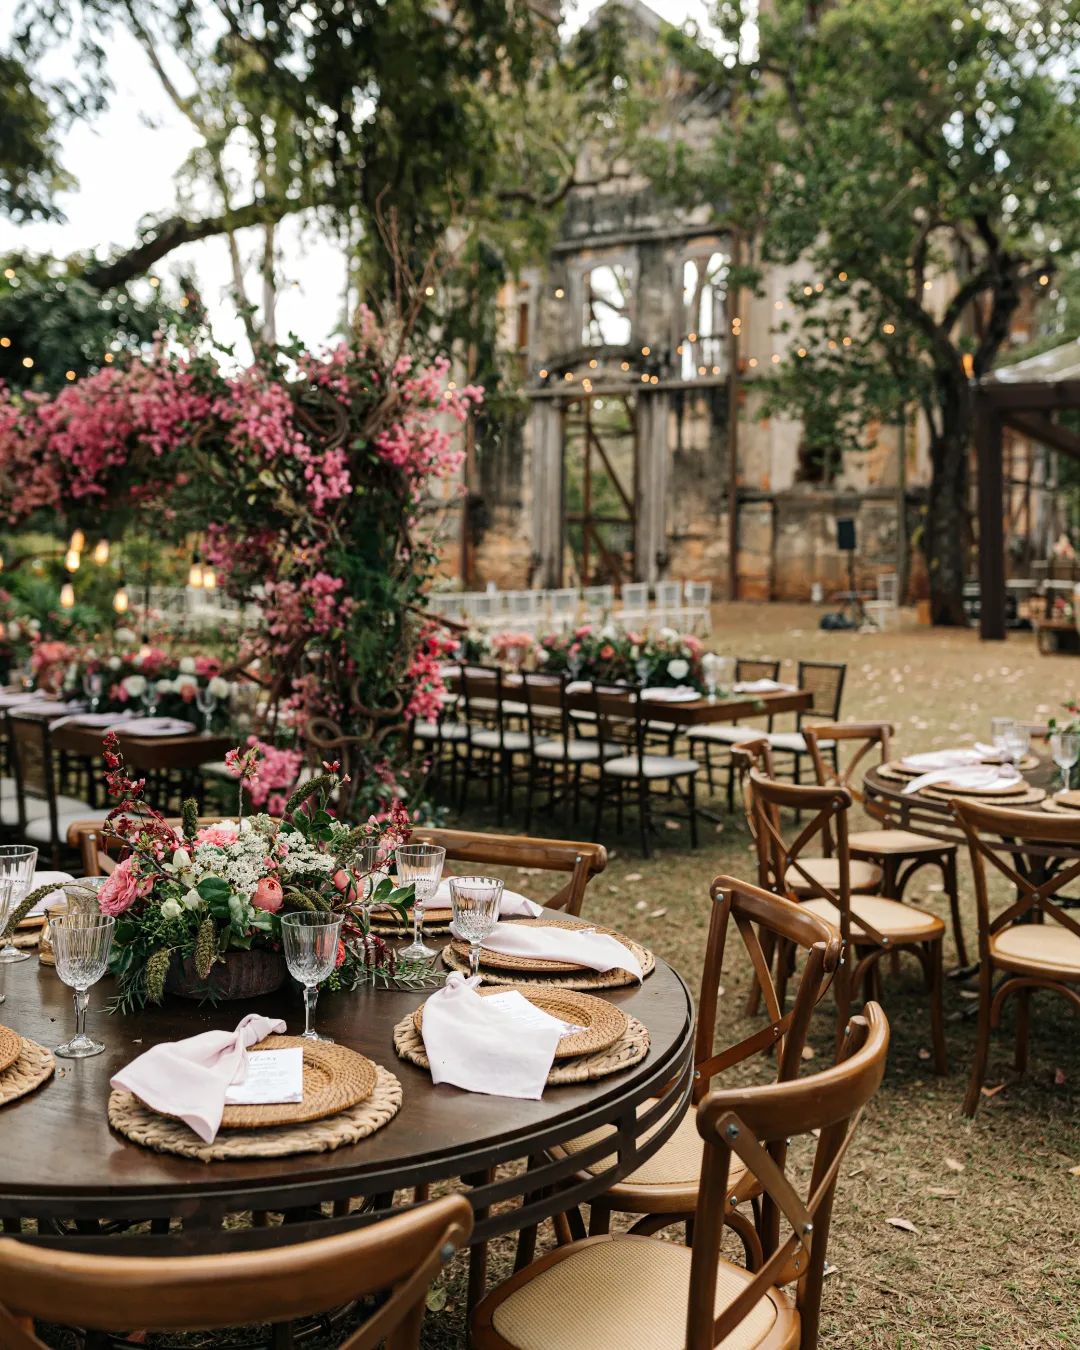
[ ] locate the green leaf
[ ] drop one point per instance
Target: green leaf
(214, 889)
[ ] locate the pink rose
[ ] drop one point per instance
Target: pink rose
(268, 895)
(221, 835)
(188, 692)
(345, 884)
(122, 889)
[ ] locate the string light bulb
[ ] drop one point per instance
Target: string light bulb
(78, 541)
(72, 558)
(101, 552)
(120, 601)
(209, 579)
(67, 596)
(195, 574)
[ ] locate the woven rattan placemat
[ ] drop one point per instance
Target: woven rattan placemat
(630, 1049)
(1029, 797)
(542, 965)
(129, 1117)
(34, 1065)
(335, 1079)
(10, 1047)
(601, 1022)
(587, 980)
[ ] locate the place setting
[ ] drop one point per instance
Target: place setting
(508, 1021)
(991, 772)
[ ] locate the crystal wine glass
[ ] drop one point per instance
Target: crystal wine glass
(422, 865)
(1000, 729)
(81, 945)
(17, 863)
(475, 902)
(710, 670)
(93, 684)
(311, 948)
(1065, 748)
(206, 702)
(641, 670)
(149, 698)
(1017, 742)
(367, 860)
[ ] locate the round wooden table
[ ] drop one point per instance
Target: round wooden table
(62, 1165)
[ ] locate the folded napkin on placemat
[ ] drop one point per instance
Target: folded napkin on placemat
(156, 726)
(488, 1044)
(761, 687)
(188, 1079)
(108, 719)
(559, 942)
(682, 693)
(58, 879)
(511, 906)
(941, 759)
(980, 777)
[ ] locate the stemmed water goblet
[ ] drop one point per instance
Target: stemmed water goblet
(17, 863)
(81, 944)
(206, 702)
(574, 663)
(641, 670)
(421, 865)
(149, 698)
(1065, 748)
(311, 947)
(475, 902)
(1017, 743)
(1000, 730)
(93, 684)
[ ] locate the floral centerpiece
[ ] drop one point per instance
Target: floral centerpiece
(195, 903)
(129, 675)
(608, 653)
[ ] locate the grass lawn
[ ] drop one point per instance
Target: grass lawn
(995, 1202)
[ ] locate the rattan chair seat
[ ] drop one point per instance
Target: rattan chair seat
(650, 766)
(896, 841)
(892, 919)
(864, 876)
(612, 1293)
(1039, 948)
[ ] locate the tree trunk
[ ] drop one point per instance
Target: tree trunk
(948, 525)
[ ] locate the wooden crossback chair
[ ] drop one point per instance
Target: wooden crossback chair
(870, 925)
(399, 1256)
(899, 853)
(1032, 943)
(581, 860)
(100, 851)
(613, 1292)
(703, 740)
(665, 1190)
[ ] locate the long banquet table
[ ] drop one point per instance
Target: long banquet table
(76, 1181)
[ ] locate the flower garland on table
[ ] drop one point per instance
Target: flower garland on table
(665, 659)
(200, 892)
(126, 675)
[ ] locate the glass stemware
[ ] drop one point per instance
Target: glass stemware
(81, 945)
(421, 865)
(475, 902)
(149, 698)
(206, 702)
(367, 860)
(1017, 742)
(1000, 729)
(93, 684)
(311, 948)
(1065, 748)
(17, 863)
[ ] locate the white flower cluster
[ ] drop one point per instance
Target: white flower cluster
(304, 858)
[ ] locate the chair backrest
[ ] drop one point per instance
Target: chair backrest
(599, 597)
(635, 596)
(481, 689)
(755, 1123)
(619, 718)
(542, 720)
(747, 755)
(581, 860)
(33, 766)
(1033, 841)
(756, 668)
(668, 594)
(399, 1256)
(564, 601)
(755, 911)
(827, 808)
(699, 594)
(825, 680)
(888, 589)
(863, 736)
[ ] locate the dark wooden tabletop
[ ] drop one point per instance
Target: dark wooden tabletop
(186, 751)
(60, 1159)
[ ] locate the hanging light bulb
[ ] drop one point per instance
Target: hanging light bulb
(78, 541)
(209, 579)
(195, 573)
(67, 596)
(72, 558)
(120, 600)
(101, 552)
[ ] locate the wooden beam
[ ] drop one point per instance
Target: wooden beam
(1033, 395)
(1038, 427)
(988, 448)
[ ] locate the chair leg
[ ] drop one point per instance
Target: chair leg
(730, 783)
(948, 875)
(599, 1219)
(530, 789)
(935, 956)
(708, 764)
(644, 816)
(982, 1042)
(691, 806)
(1023, 1023)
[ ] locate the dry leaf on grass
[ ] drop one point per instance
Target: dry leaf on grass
(673, 824)
(905, 1224)
(923, 1052)
(1059, 1077)
(634, 876)
(1074, 1171)
(436, 1298)
(943, 1192)
(992, 1091)
(657, 913)
(642, 906)
(954, 1164)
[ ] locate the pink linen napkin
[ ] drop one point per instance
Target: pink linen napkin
(981, 776)
(582, 946)
(474, 1044)
(511, 906)
(188, 1078)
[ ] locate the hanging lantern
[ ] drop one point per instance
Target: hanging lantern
(120, 600)
(101, 552)
(195, 574)
(67, 596)
(209, 579)
(78, 541)
(72, 558)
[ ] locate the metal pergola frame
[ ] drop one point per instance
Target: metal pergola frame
(1024, 397)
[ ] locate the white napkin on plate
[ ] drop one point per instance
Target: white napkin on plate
(189, 1078)
(982, 776)
(54, 897)
(942, 759)
(559, 942)
(761, 687)
(512, 905)
(682, 693)
(103, 719)
(473, 1043)
(156, 726)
